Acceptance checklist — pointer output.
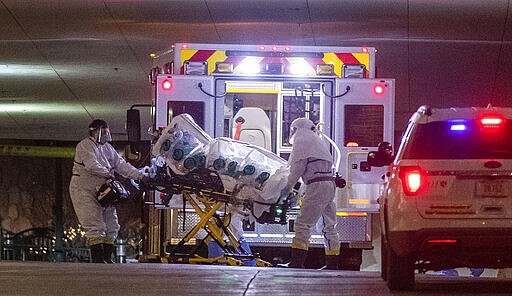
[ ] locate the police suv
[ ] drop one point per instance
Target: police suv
(447, 202)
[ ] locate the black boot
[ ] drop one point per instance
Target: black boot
(108, 249)
(332, 262)
(297, 260)
(97, 253)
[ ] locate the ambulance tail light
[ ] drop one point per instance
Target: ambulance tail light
(412, 179)
(378, 89)
(167, 84)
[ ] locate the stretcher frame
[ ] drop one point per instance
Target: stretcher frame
(215, 225)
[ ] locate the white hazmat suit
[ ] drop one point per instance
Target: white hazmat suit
(312, 160)
(94, 163)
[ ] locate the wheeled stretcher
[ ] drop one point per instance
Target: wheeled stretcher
(217, 178)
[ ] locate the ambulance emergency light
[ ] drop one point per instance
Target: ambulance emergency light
(325, 69)
(353, 71)
(300, 68)
(223, 67)
(491, 121)
(249, 68)
(195, 68)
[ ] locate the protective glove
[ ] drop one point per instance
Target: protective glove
(145, 182)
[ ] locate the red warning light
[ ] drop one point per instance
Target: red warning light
(167, 84)
(287, 49)
(261, 48)
(491, 122)
(378, 89)
(173, 45)
(364, 49)
(274, 48)
(184, 46)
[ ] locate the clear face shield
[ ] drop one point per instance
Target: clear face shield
(104, 136)
(293, 131)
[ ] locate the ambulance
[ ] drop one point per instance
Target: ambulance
(252, 93)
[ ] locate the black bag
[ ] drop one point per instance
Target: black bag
(111, 193)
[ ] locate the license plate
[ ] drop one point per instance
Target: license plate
(492, 189)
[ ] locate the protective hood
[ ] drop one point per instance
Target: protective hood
(307, 142)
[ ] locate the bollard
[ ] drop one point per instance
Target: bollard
(121, 251)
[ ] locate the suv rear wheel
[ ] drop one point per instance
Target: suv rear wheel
(400, 271)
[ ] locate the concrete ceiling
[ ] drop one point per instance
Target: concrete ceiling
(66, 62)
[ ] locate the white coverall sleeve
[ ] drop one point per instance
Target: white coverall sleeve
(86, 153)
(297, 169)
(122, 167)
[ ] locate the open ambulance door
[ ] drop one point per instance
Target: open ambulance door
(180, 94)
(362, 119)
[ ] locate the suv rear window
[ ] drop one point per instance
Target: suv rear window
(460, 139)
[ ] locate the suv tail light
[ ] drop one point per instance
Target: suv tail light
(412, 179)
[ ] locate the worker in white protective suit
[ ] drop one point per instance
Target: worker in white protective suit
(95, 162)
(311, 159)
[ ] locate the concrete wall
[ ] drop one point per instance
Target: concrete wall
(28, 191)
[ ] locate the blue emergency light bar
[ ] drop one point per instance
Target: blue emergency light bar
(458, 127)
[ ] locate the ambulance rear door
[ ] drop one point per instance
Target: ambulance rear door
(362, 119)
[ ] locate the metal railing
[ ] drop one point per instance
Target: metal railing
(38, 244)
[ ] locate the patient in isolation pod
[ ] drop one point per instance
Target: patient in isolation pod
(253, 175)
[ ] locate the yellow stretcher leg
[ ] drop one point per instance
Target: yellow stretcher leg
(223, 259)
(217, 228)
